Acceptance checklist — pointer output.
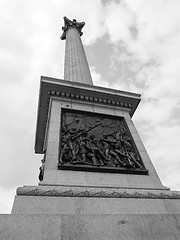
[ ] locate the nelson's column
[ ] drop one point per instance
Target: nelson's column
(96, 179)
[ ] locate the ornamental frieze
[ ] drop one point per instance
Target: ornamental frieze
(96, 192)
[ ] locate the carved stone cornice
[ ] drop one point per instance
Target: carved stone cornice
(90, 99)
(71, 24)
(52, 87)
(60, 191)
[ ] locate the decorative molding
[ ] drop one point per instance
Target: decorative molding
(52, 191)
(90, 99)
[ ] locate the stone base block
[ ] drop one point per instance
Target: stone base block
(79, 205)
(90, 226)
(93, 214)
(70, 200)
(67, 205)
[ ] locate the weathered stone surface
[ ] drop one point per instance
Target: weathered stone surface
(95, 179)
(90, 227)
(79, 205)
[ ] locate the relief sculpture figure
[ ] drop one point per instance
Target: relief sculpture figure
(94, 149)
(97, 143)
(109, 150)
(125, 149)
(75, 147)
(68, 149)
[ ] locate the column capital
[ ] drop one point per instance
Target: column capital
(71, 24)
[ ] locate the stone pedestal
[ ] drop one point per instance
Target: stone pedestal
(56, 96)
(70, 204)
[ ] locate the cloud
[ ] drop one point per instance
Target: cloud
(137, 48)
(145, 38)
(6, 200)
(118, 20)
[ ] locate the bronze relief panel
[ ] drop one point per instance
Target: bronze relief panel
(97, 142)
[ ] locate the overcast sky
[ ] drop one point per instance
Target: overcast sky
(131, 45)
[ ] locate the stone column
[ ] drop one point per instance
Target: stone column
(76, 67)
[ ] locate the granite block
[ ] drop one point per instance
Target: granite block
(31, 227)
(172, 205)
(77, 178)
(140, 146)
(43, 205)
(25, 204)
(55, 118)
(104, 109)
(82, 106)
(54, 127)
(53, 148)
(90, 227)
(121, 112)
(58, 177)
(53, 136)
(51, 162)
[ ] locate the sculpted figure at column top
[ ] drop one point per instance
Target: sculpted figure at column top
(71, 24)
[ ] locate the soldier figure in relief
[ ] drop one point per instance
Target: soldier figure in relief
(109, 151)
(94, 148)
(124, 149)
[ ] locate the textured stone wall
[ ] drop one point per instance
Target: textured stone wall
(90, 227)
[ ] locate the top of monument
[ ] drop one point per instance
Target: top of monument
(71, 24)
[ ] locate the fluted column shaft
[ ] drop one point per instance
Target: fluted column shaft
(76, 66)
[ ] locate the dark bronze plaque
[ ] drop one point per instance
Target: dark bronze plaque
(96, 142)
